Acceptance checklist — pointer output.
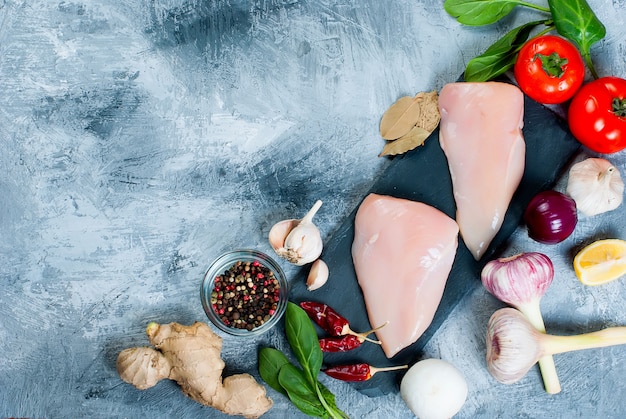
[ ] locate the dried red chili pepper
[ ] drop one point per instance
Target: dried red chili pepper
(336, 324)
(332, 322)
(357, 372)
(317, 313)
(341, 343)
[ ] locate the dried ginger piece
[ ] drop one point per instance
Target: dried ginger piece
(409, 121)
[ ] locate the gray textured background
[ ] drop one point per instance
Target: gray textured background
(138, 140)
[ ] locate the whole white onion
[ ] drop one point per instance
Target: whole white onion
(434, 389)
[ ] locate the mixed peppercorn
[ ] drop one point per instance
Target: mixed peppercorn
(246, 295)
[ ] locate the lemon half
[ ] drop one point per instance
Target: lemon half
(600, 262)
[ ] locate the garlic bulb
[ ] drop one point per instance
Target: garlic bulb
(596, 186)
(514, 345)
(298, 241)
(521, 281)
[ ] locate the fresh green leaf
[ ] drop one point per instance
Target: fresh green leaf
(304, 341)
(300, 391)
(329, 397)
(575, 20)
(484, 12)
(270, 362)
(500, 56)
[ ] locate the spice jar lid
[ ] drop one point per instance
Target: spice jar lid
(244, 292)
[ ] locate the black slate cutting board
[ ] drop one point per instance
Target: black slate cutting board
(422, 175)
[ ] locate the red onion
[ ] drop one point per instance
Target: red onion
(550, 217)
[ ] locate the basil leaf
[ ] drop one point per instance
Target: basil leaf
(501, 56)
(300, 392)
(479, 12)
(329, 397)
(304, 341)
(575, 20)
(270, 362)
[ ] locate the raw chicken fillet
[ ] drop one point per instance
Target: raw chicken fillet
(403, 253)
(481, 135)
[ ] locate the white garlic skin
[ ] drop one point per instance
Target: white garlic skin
(512, 345)
(298, 241)
(520, 279)
(303, 244)
(596, 186)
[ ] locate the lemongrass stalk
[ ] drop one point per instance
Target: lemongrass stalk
(551, 381)
(610, 336)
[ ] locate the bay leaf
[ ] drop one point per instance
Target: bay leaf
(429, 116)
(401, 117)
(415, 137)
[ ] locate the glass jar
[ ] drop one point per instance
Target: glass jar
(244, 292)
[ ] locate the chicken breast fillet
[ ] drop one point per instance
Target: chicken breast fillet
(403, 253)
(481, 135)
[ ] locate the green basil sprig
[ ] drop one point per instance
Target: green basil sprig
(484, 12)
(299, 384)
(500, 56)
(572, 19)
(575, 20)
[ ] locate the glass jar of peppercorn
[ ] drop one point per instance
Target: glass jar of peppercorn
(244, 292)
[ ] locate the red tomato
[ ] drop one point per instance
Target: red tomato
(597, 115)
(549, 69)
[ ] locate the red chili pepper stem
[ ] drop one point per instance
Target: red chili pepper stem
(374, 370)
(374, 330)
(347, 331)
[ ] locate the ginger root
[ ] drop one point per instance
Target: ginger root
(190, 355)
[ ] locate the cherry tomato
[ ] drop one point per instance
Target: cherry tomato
(597, 115)
(549, 69)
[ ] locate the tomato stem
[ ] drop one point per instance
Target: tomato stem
(619, 107)
(552, 64)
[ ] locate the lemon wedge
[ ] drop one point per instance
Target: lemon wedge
(600, 262)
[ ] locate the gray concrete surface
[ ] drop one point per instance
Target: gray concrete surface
(139, 140)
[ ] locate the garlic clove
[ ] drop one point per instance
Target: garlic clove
(318, 275)
(279, 232)
(596, 186)
(298, 241)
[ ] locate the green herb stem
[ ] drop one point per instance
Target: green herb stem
(590, 66)
(534, 6)
(333, 414)
(549, 27)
